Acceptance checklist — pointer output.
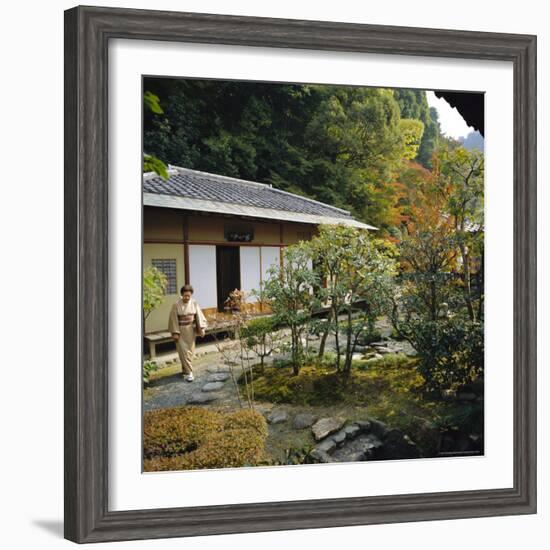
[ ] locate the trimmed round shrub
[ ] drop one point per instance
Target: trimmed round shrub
(184, 438)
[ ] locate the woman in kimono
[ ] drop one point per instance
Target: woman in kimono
(185, 322)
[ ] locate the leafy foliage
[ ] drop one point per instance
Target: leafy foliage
(289, 289)
(358, 272)
(148, 368)
(154, 287)
(262, 336)
(151, 103)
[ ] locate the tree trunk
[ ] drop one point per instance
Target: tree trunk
(337, 339)
(467, 282)
(349, 330)
(323, 342)
(295, 352)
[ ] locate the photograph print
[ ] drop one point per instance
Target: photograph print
(313, 274)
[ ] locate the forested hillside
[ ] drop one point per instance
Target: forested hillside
(356, 148)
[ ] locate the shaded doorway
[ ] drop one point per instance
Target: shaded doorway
(228, 272)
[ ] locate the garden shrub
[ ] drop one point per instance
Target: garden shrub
(183, 438)
(148, 368)
(450, 352)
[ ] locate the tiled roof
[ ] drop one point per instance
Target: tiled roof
(193, 184)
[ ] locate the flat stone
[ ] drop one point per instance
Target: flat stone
(275, 417)
(218, 368)
(339, 437)
(384, 351)
(200, 398)
(327, 445)
(303, 420)
(218, 377)
(352, 430)
(361, 448)
(357, 357)
(327, 426)
(320, 456)
(364, 425)
(379, 429)
(397, 445)
(212, 386)
(374, 357)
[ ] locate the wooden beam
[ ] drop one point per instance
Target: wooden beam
(186, 248)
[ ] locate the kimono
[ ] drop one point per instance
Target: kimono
(185, 321)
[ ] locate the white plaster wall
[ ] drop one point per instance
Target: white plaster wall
(202, 274)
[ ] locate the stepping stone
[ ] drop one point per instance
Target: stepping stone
(339, 437)
(364, 425)
(351, 431)
(326, 426)
(218, 368)
(327, 445)
(276, 417)
(201, 398)
(361, 448)
(303, 420)
(320, 456)
(212, 386)
(218, 377)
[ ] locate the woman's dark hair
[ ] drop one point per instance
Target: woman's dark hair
(186, 288)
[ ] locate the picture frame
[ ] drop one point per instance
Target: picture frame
(87, 34)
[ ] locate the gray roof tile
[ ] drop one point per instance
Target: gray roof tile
(184, 182)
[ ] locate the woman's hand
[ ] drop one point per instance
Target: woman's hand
(175, 336)
(201, 332)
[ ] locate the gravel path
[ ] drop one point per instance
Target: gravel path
(212, 385)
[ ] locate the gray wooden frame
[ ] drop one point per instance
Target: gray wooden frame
(87, 34)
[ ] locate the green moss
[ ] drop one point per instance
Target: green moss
(390, 389)
(323, 385)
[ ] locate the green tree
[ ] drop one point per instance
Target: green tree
(461, 184)
(151, 103)
(358, 270)
(154, 287)
(289, 289)
(414, 105)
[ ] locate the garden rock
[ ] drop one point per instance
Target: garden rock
(303, 420)
(339, 437)
(326, 426)
(379, 429)
(201, 398)
(218, 377)
(320, 456)
(212, 386)
(218, 368)
(364, 425)
(397, 445)
(327, 445)
(275, 417)
(361, 448)
(351, 431)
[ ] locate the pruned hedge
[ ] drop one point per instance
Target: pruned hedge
(186, 438)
